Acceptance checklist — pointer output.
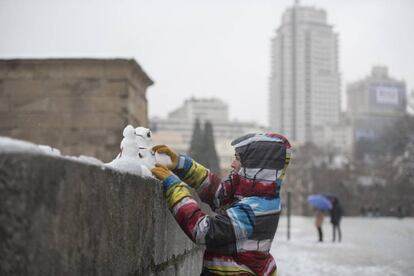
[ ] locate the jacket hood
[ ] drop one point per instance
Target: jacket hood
(262, 150)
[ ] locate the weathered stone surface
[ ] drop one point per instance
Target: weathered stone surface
(72, 95)
(137, 106)
(17, 69)
(5, 104)
(23, 87)
(86, 104)
(61, 217)
(30, 104)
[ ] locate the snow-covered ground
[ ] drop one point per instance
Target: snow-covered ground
(370, 246)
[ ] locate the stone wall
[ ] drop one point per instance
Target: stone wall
(63, 217)
(79, 106)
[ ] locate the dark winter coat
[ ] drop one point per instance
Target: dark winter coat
(336, 212)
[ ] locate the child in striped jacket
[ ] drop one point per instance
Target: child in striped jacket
(238, 238)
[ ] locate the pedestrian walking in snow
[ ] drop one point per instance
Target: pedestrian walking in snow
(319, 216)
(336, 215)
(247, 204)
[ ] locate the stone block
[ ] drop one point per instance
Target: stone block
(17, 69)
(49, 70)
(4, 103)
(84, 69)
(117, 69)
(93, 120)
(23, 87)
(72, 88)
(2, 90)
(106, 136)
(88, 87)
(114, 88)
(29, 103)
(7, 120)
(37, 120)
(137, 108)
(86, 104)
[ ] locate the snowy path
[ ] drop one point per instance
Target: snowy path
(371, 246)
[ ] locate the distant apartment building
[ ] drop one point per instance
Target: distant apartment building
(213, 110)
(79, 106)
(305, 80)
(182, 120)
(337, 138)
(177, 128)
(377, 94)
(374, 103)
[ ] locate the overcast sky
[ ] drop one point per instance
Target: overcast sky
(205, 48)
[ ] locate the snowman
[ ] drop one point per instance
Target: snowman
(130, 159)
(136, 155)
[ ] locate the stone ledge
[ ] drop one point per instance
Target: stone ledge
(62, 217)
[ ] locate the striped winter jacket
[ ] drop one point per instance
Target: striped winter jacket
(247, 205)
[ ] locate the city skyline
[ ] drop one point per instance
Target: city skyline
(205, 48)
(304, 91)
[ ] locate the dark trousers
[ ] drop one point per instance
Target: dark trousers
(336, 228)
(320, 233)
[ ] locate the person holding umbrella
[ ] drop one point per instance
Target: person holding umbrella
(320, 204)
(319, 216)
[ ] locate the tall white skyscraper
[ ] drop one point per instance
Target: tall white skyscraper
(305, 80)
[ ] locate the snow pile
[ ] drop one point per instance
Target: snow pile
(10, 145)
(89, 160)
(136, 154)
(49, 150)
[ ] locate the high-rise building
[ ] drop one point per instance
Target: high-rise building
(375, 104)
(377, 94)
(305, 80)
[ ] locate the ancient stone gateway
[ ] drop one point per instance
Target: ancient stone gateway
(79, 106)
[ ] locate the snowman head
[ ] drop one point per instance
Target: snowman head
(129, 131)
(144, 137)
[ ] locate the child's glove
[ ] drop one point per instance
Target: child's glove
(161, 172)
(165, 175)
(166, 150)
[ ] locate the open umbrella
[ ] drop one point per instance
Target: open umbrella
(320, 202)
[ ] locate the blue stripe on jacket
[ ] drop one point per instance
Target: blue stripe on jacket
(243, 220)
(263, 205)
